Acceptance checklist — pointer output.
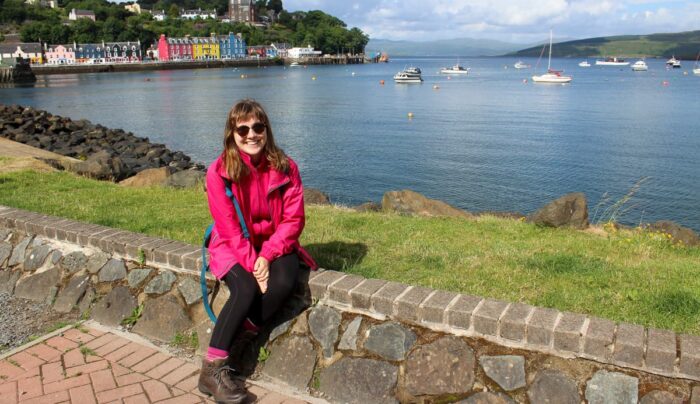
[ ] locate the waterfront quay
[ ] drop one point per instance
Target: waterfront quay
(192, 64)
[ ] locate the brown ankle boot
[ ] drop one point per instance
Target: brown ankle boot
(215, 379)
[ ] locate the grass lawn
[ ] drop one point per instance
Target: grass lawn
(625, 276)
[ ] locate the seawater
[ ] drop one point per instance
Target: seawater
(488, 141)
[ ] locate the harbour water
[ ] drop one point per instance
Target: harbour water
(488, 141)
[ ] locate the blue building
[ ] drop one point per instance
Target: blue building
(85, 52)
(232, 46)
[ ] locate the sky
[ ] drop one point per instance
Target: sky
(518, 21)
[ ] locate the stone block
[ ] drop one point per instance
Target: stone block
(37, 286)
(95, 238)
(160, 254)
(5, 251)
(514, 322)
(629, 345)
(434, 308)
(291, 360)
(71, 294)
(323, 324)
(161, 283)
(553, 386)
(175, 256)
(84, 236)
(487, 315)
(109, 243)
(119, 241)
(359, 380)
(339, 292)
(48, 229)
(361, 296)
(133, 247)
(460, 314)
(319, 284)
(446, 366)
(690, 355)
(113, 270)
(72, 229)
(408, 305)
(162, 319)
(567, 334)
(661, 350)
(540, 327)
(383, 300)
(8, 280)
(117, 305)
(19, 252)
(189, 261)
(190, 290)
(599, 338)
(392, 341)
(612, 387)
(508, 371)
(348, 340)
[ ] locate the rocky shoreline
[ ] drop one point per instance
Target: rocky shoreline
(105, 154)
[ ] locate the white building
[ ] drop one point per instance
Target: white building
(42, 3)
(134, 8)
(193, 14)
(307, 52)
(75, 14)
(159, 15)
(31, 51)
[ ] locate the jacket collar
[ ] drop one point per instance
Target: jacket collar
(277, 178)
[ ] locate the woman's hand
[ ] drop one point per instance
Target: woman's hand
(261, 271)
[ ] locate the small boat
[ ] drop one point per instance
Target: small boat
(294, 64)
(584, 64)
(552, 76)
(409, 75)
(673, 62)
(612, 61)
(640, 66)
(696, 71)
(456, 69)
(521, 65)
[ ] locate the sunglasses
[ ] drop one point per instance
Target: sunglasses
(257, 127)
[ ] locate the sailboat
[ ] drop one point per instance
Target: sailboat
(696, 69)
(552, 76)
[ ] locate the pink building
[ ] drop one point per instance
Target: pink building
(174, 48)
(59, 54)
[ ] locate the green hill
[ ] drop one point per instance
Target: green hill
(684, 45)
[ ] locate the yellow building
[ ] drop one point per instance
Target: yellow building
(205, 48)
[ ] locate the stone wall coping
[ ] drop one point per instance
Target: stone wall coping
(511, 324)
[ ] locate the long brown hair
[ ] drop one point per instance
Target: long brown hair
(243, 110)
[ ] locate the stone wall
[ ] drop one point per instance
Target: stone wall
(352, 339)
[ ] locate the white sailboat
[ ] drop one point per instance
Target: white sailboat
(696, 69)
(552, 76)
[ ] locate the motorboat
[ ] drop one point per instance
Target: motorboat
(673, 62)
(696, 71)
(640, 66)
(612, 61)
(294, 64)
(456, 69)
(409, 75)
(584, 64)
(521, 65)
(552, 76)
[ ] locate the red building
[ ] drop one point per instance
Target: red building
(174, 48)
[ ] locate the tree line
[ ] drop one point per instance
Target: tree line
(114, 23)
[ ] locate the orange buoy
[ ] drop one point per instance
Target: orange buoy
(381, 82)
(664, 83)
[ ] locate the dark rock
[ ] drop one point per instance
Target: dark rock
(74, 262)
(97, 261)
(279, 330)
(359, 380)
(660, 397)
(85, 305)
(349, 338)
(611, 387)
(163, 318)
(551, 386)
(291, 361)
(568, 211)
(445, 366)
(678, 233)
(8, 280)
(390, 341)
(102, 166)
(410, 202)
(190, 290)
(186, 179)
(508, 371)
(71, 294)
(113, 270)
(115, 307)
(37, 286)
(487, 398)
(315, 197)
(369, 207)
(137, 276)
(19, 251)
(162, 283)
(324, 323)
(5, 252)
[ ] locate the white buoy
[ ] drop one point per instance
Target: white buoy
(410, 115)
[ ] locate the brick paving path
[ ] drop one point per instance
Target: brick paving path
(87, 365)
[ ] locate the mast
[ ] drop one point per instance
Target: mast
(549, 62)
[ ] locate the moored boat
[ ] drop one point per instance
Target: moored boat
(552, 76)
(640, 66)
(456, 69)
(521, 65)
(584, 64)
(673, 62)
(612, 61)
(409, 75)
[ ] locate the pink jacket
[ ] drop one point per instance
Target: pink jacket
(285, 199)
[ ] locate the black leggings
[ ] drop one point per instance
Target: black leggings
(247, 301)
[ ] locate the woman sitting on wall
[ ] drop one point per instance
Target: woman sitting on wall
(261, 267)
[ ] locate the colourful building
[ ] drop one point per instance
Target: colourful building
(205, 48)
(259, 51)
(174, 48)
(31, 51)
(89, 52)
(59, 54)
(123, 51)
(232, 46)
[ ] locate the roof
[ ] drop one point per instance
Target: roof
(281, 45)
(83, 12)
(29, 47)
